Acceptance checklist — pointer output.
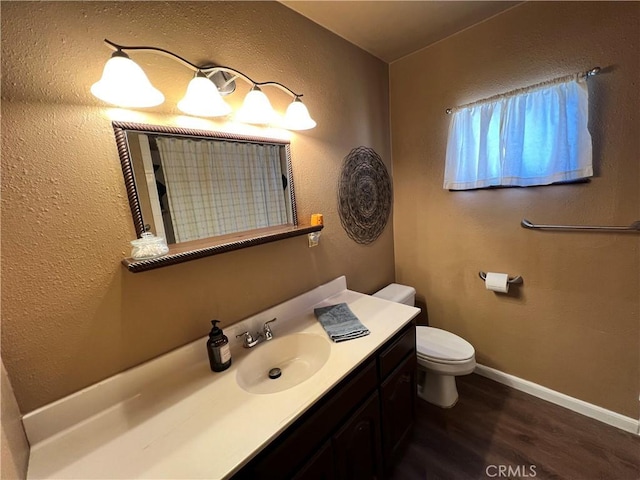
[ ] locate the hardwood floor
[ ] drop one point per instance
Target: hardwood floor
(497, 432)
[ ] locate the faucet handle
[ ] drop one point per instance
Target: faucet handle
(268, 334)
(248, 340)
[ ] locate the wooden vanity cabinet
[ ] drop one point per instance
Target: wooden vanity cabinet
(354, 432)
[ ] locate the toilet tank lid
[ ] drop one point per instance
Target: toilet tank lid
(396, 293)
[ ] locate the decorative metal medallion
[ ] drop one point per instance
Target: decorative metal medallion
(364, 195)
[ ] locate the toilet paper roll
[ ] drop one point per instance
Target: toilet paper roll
(497, 282)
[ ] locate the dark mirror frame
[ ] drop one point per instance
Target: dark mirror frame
(186, 251)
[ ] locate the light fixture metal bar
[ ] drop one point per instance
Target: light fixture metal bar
(182, 60)
(233, 71)
(209, 70)
(281, 87)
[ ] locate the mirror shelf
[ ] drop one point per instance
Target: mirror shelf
(187, 251)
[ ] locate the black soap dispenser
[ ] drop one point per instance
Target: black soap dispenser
(218, 349)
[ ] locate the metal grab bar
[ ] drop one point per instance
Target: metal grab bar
(512, 280)
(633, 228)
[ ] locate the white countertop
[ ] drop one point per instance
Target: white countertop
(173, 418)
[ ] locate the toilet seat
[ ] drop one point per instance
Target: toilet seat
(442, 347)
(443, 362)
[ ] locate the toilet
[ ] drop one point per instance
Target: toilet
(441, 355)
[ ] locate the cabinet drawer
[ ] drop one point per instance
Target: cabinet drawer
(391, 357)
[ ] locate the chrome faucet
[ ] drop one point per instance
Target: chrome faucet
(250, 341)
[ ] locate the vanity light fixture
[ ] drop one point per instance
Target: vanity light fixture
(298, 116)
(125, 84)
(203, 98)
(256, 108)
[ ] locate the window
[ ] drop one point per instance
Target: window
(535, 137)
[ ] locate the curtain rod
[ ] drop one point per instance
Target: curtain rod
(585, 75)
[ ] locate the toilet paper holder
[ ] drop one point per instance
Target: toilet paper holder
(511, 280)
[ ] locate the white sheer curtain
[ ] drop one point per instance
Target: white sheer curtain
(217, 187)
(535, 137)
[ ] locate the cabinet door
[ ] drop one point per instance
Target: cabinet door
(320, 467)
(356, 445)
(398, 394)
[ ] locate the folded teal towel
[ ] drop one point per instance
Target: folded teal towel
(340, 323)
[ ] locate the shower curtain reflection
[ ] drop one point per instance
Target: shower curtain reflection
(215, 188)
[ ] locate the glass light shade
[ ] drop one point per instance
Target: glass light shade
(256, 108)
(297, 117)
(125, 84)
(203, 99)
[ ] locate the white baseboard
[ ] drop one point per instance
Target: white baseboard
(593, 411)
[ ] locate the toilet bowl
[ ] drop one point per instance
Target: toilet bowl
(441, 355)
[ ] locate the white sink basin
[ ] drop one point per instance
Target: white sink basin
(298, 356)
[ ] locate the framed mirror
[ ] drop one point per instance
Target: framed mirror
(206, 192)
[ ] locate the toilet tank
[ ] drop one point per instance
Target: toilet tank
(398, 293)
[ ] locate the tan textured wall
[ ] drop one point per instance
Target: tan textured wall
(72, 315)
(14, 445)
(574, 324)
